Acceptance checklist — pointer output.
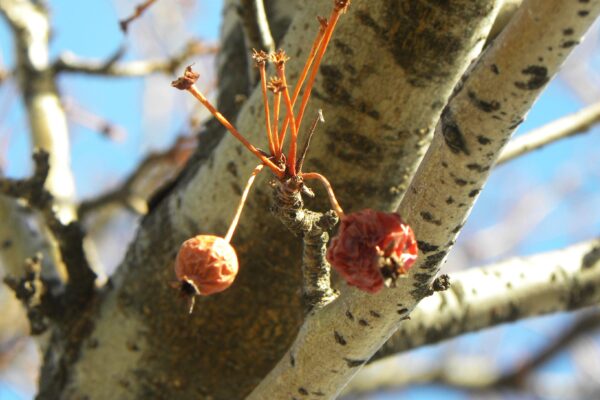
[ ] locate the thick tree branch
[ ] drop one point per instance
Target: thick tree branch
(475, 125)
(565, 127)
(561, 280)
(68, 62)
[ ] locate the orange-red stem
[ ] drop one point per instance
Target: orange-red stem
(240, 207)
(198, 95)
(263, 85)
(278, 144)
(291, 158)
(332, 199)
(303, 74)
(335, 15)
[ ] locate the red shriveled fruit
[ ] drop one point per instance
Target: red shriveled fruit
(372, 249)
(207, 263)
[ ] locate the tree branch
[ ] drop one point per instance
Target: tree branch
(68, 62)
(257, 33)
(69, 236)
(139, 10)
(467, 141)
(565, 127)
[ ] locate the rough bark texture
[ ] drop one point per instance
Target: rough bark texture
(382, 95)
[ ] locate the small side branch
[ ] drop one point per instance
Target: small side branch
(571, 125)
(139, 10)
(313, 227)
(69, 236)
(68, 62)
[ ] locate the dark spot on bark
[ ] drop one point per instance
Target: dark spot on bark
(584, 1)
(474, 192)
(433, 261)
(483, 140)
(236, 188)
(6, 244)
(292, 360)
(569, 43)
(538, 77)
(428, 217)
(583, 13)
(354, 147)
(354, 363)
(363, 322)
(509, 315)
(426, 247)
(319, 393)
(591, 258)
(453, 136)
(461, 205)
(553, 277)
(232, 168)
(568, 31)
(460, 181)
(303, 391)
(449, 200)
(485, 106)
(495, 69)
(444, 164)
(509, 285)
(374, 314)
(402, 311)
(457, 229)
(516, 123)
(349, 315)
(339, 339)
(343, 47)
(581, 295)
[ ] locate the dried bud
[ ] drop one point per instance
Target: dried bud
(260, 57)
(372, 249)
(279, 58)
(322, 23)
(187, 80)
(341, 5)
(205, 265)
(275, 85)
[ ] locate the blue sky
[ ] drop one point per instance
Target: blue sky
(90, 29)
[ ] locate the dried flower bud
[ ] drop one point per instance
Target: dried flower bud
(207, 264)
(260, 57)
(372, 249)
(187, 80)
(279, 58)
(275, 85)
(322, 23)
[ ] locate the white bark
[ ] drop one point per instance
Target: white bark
(475, 125)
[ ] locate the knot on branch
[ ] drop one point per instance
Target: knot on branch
(34, 293)
(440, 283)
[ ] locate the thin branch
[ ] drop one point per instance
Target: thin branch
(129, 193)
(68, 62)
(139, 10)
(571, 125)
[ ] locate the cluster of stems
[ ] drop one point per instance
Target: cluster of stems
(284, 165)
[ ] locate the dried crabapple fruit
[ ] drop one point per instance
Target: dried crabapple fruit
(372, 249)
(207, 263)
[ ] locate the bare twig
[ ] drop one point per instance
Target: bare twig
(562, 128)
(68, 62)
(130, 193)
(139, 10)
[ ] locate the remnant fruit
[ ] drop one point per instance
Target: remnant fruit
(372, 249)
(207, 264)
